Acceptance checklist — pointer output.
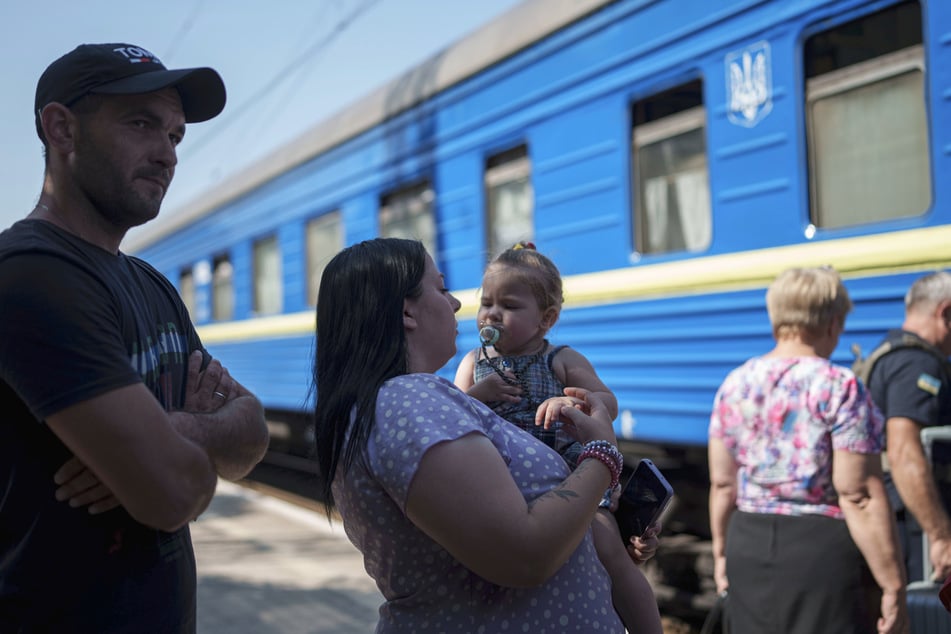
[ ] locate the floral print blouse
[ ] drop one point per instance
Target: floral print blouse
(781, 419)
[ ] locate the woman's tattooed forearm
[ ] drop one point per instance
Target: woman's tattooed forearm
(564, 493)
(564, 490)
(561, 491)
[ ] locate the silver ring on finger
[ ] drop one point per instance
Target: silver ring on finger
(219, 394)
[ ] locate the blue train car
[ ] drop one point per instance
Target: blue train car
(671, 156)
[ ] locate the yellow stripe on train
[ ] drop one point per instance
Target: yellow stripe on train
(893, 252)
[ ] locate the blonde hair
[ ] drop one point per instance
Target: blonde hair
(535, 270)
(806, 300)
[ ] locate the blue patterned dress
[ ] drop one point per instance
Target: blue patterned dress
(539, 383)
(425, 588)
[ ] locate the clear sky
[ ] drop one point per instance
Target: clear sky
(287, 64)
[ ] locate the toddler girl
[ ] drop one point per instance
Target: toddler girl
(522, 377)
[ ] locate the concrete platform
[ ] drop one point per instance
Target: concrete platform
(266, 566)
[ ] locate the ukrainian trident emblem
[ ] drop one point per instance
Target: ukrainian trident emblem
(749, 84)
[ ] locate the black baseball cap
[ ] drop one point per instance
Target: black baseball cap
(124, 69)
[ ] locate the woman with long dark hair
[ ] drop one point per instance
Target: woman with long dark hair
(466, 523)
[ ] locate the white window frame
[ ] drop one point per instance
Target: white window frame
(645, 134)
(852, 77)
(514, 169)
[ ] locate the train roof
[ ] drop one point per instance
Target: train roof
(498, 39)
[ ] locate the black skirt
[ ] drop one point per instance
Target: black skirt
(797, 575)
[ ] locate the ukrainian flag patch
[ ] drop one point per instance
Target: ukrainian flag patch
(929, 384)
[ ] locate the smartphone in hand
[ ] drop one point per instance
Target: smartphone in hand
(643, 500)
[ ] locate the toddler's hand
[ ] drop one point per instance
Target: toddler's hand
(550, 411)
(643, 548)
(494, 388)
(597, 424)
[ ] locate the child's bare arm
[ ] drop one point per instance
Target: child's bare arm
(465, 373)
(574, 370)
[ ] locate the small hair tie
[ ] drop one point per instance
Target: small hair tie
(524, 245)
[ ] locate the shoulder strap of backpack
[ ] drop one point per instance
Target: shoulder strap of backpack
(863, 367)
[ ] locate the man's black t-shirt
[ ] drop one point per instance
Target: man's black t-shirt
(77, 321)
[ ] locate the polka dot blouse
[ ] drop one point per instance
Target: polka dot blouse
(425, 588)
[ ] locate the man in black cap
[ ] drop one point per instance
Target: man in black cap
(116, 423)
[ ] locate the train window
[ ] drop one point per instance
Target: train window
(866, 120)
(268, 291)
(408, 213)
(186, 289)
(324, 240)
(508, 195)
(671, 177)
(222, 289)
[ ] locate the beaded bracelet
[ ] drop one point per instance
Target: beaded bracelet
(608, 454)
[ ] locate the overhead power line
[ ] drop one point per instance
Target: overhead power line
(284, 73)
(168, 53)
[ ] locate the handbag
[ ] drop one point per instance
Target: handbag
(718, 618)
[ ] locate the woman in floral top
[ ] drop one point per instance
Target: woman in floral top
(803, 537)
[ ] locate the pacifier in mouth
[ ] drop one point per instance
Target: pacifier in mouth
(488, 335)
